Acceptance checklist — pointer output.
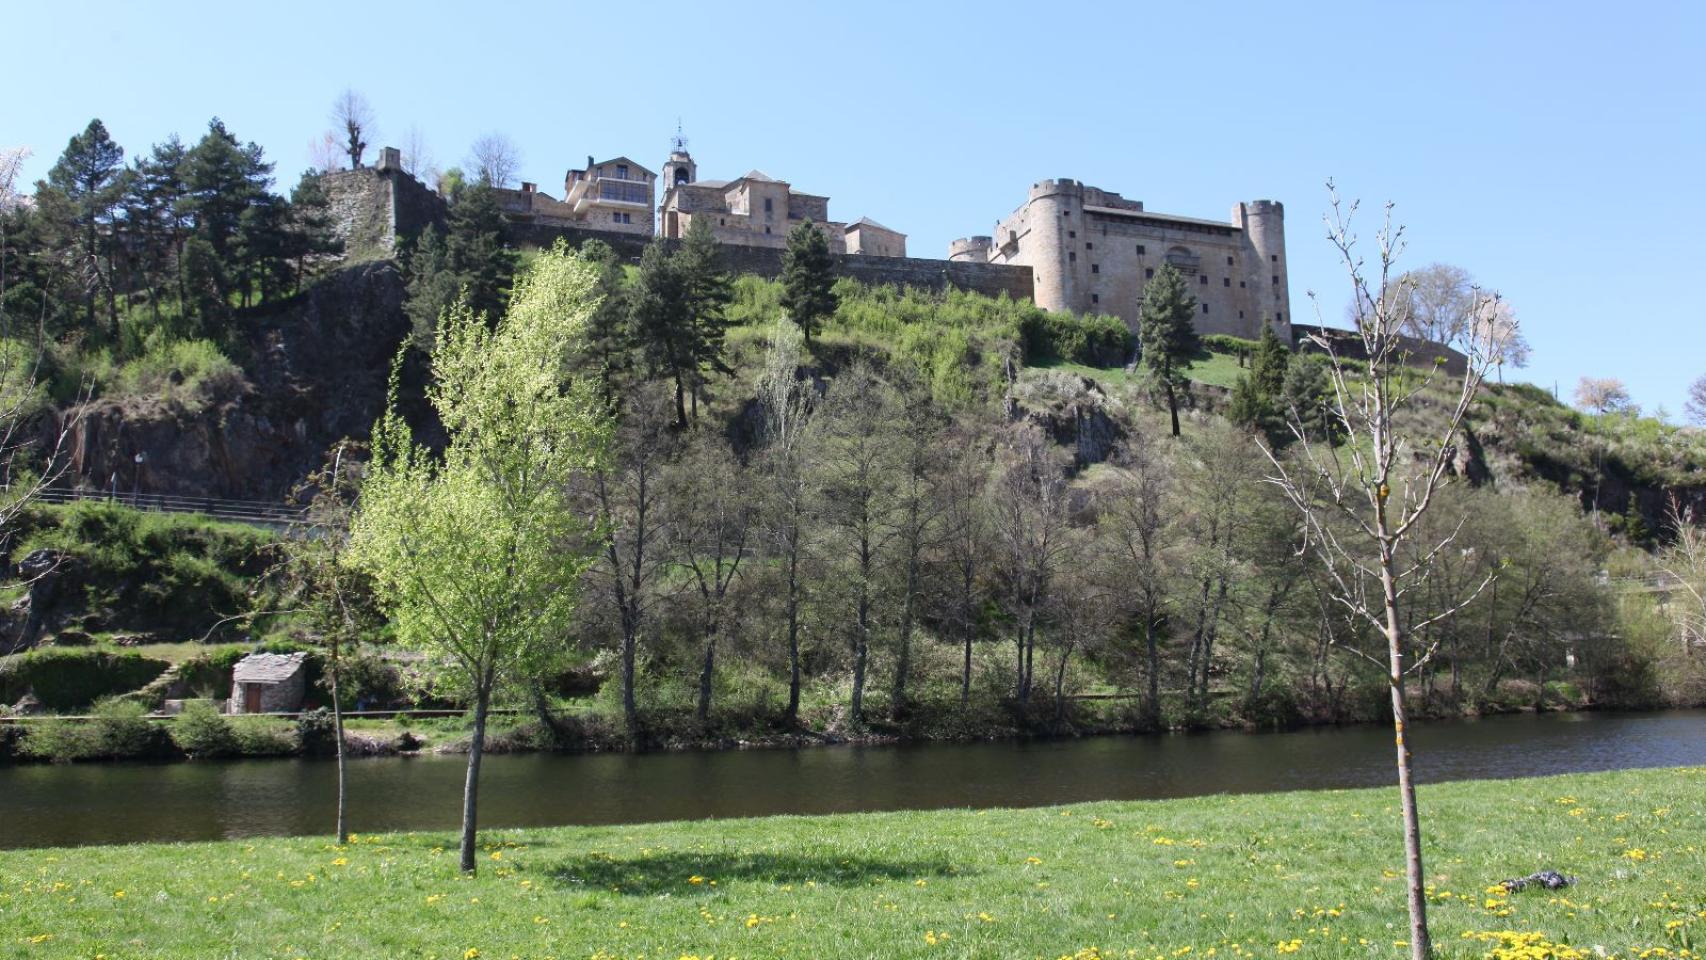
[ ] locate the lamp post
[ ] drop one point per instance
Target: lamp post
(136, 483)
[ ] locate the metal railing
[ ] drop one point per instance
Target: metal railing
(261, 512)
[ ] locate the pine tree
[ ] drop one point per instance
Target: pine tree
(607, 345)
(808, 278)
(1270, 363)
(662, 326)
(476, 252)
(708, 291)
(1166, 335)
(152, 202)
(79, 199)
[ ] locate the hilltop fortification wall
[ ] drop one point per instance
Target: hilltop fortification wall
(990, 279)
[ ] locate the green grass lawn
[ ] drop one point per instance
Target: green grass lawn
(1215, 369)
(1310, 874)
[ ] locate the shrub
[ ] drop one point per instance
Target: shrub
(202, 732)
(1096, 340)
(209, 674)
(264, 736)
(120, 730)
(190, 373)
(317, 732)
(71, 679)
(168, 571)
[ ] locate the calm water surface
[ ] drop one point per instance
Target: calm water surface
(121, 803)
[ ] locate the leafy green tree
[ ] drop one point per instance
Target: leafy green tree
(1166, 336)
(472, 552)
(808, 278)
(80, 197)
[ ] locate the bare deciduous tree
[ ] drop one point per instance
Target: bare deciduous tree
(712, 522)
(1029, 516)
(1132, 518)
(417, 156)
(352, 120)
(1695, 408)
(1360, 504)
(1604, 395)
(968, 538)
(494, 159)
(788, 491)
(1685, 561)
(627, 496)
(11, 168)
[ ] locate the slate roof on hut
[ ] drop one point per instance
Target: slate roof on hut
(267, 667)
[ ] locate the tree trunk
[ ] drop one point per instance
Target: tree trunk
(1420, 947)
(861, 645)
(1060, 687)
(965, 670)
(793, 717)
(707, 671)
(1173, 408)
(680, 404)
(471, 788)
(338, 728)
(903, 658)
(630, 709)
(1154, 648)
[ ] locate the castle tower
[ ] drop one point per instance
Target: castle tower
(1265, 266)
(970, 249)
(1055, 215)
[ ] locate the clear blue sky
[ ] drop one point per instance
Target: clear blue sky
(1555, 150)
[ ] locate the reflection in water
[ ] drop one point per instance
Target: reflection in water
(62, 805)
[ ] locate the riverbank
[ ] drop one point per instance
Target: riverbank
(119, 730)
(1315, 873)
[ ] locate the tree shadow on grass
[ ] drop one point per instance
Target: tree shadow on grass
(675, 872)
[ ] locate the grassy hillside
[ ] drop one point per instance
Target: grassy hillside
(1310, 874)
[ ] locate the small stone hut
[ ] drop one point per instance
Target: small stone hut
(269, 683)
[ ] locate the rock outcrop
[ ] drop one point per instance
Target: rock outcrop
(317, 365)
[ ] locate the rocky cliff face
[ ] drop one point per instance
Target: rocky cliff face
(317, 368)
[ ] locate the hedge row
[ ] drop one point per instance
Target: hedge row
(65, 680)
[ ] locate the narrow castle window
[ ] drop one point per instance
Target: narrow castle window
(1089, 246)
(1149, 273)
(1229, 261)
(1240, 314)
(1140, 250)
(1205, 308)
(1275, 257)
(1071, 257)
(1276, 279)
(1240, 284)
(1203, 279)
(1072, 234)
(1226, 281)
(1095, 298)
(1281, 317)
(1095, 268)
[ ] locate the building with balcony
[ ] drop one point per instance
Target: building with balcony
(616, 195)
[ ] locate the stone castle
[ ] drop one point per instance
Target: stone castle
(1070, 246)
(1091, 251)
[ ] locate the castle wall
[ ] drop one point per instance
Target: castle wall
(986, 278)
(370, 209)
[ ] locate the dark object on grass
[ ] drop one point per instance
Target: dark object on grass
(1550, 879)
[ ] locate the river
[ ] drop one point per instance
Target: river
(43, 805)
